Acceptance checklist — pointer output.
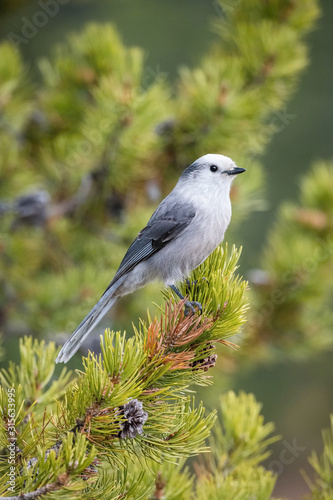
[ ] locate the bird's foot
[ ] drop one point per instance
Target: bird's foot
(190, 306)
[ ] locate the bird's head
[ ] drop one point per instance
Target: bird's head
(210, 171)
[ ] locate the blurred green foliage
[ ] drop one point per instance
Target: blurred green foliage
(9, 5)
(85, 156)
(88, 152)
(291, 299)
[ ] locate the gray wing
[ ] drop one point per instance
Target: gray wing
(164, 225)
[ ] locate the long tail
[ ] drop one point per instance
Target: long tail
(90, 321)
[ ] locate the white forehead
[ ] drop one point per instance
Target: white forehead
(218, 160)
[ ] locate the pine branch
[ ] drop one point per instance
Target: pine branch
(322, 484)
(61, 482)
(130, 399)
(239, 443)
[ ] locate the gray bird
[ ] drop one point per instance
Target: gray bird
(182, 232)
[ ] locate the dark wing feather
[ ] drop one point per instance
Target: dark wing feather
(163, 227)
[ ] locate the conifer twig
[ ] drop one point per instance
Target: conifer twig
(48, 488)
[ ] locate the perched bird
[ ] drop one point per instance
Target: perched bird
(182, 232)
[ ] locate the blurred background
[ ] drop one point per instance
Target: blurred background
(295, 390)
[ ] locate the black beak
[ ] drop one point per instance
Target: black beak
(235, 171)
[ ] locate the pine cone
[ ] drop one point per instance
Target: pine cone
(135, 419)
(205, 363)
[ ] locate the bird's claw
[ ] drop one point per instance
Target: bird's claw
(190, 306)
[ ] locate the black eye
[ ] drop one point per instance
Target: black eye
(213, 168)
